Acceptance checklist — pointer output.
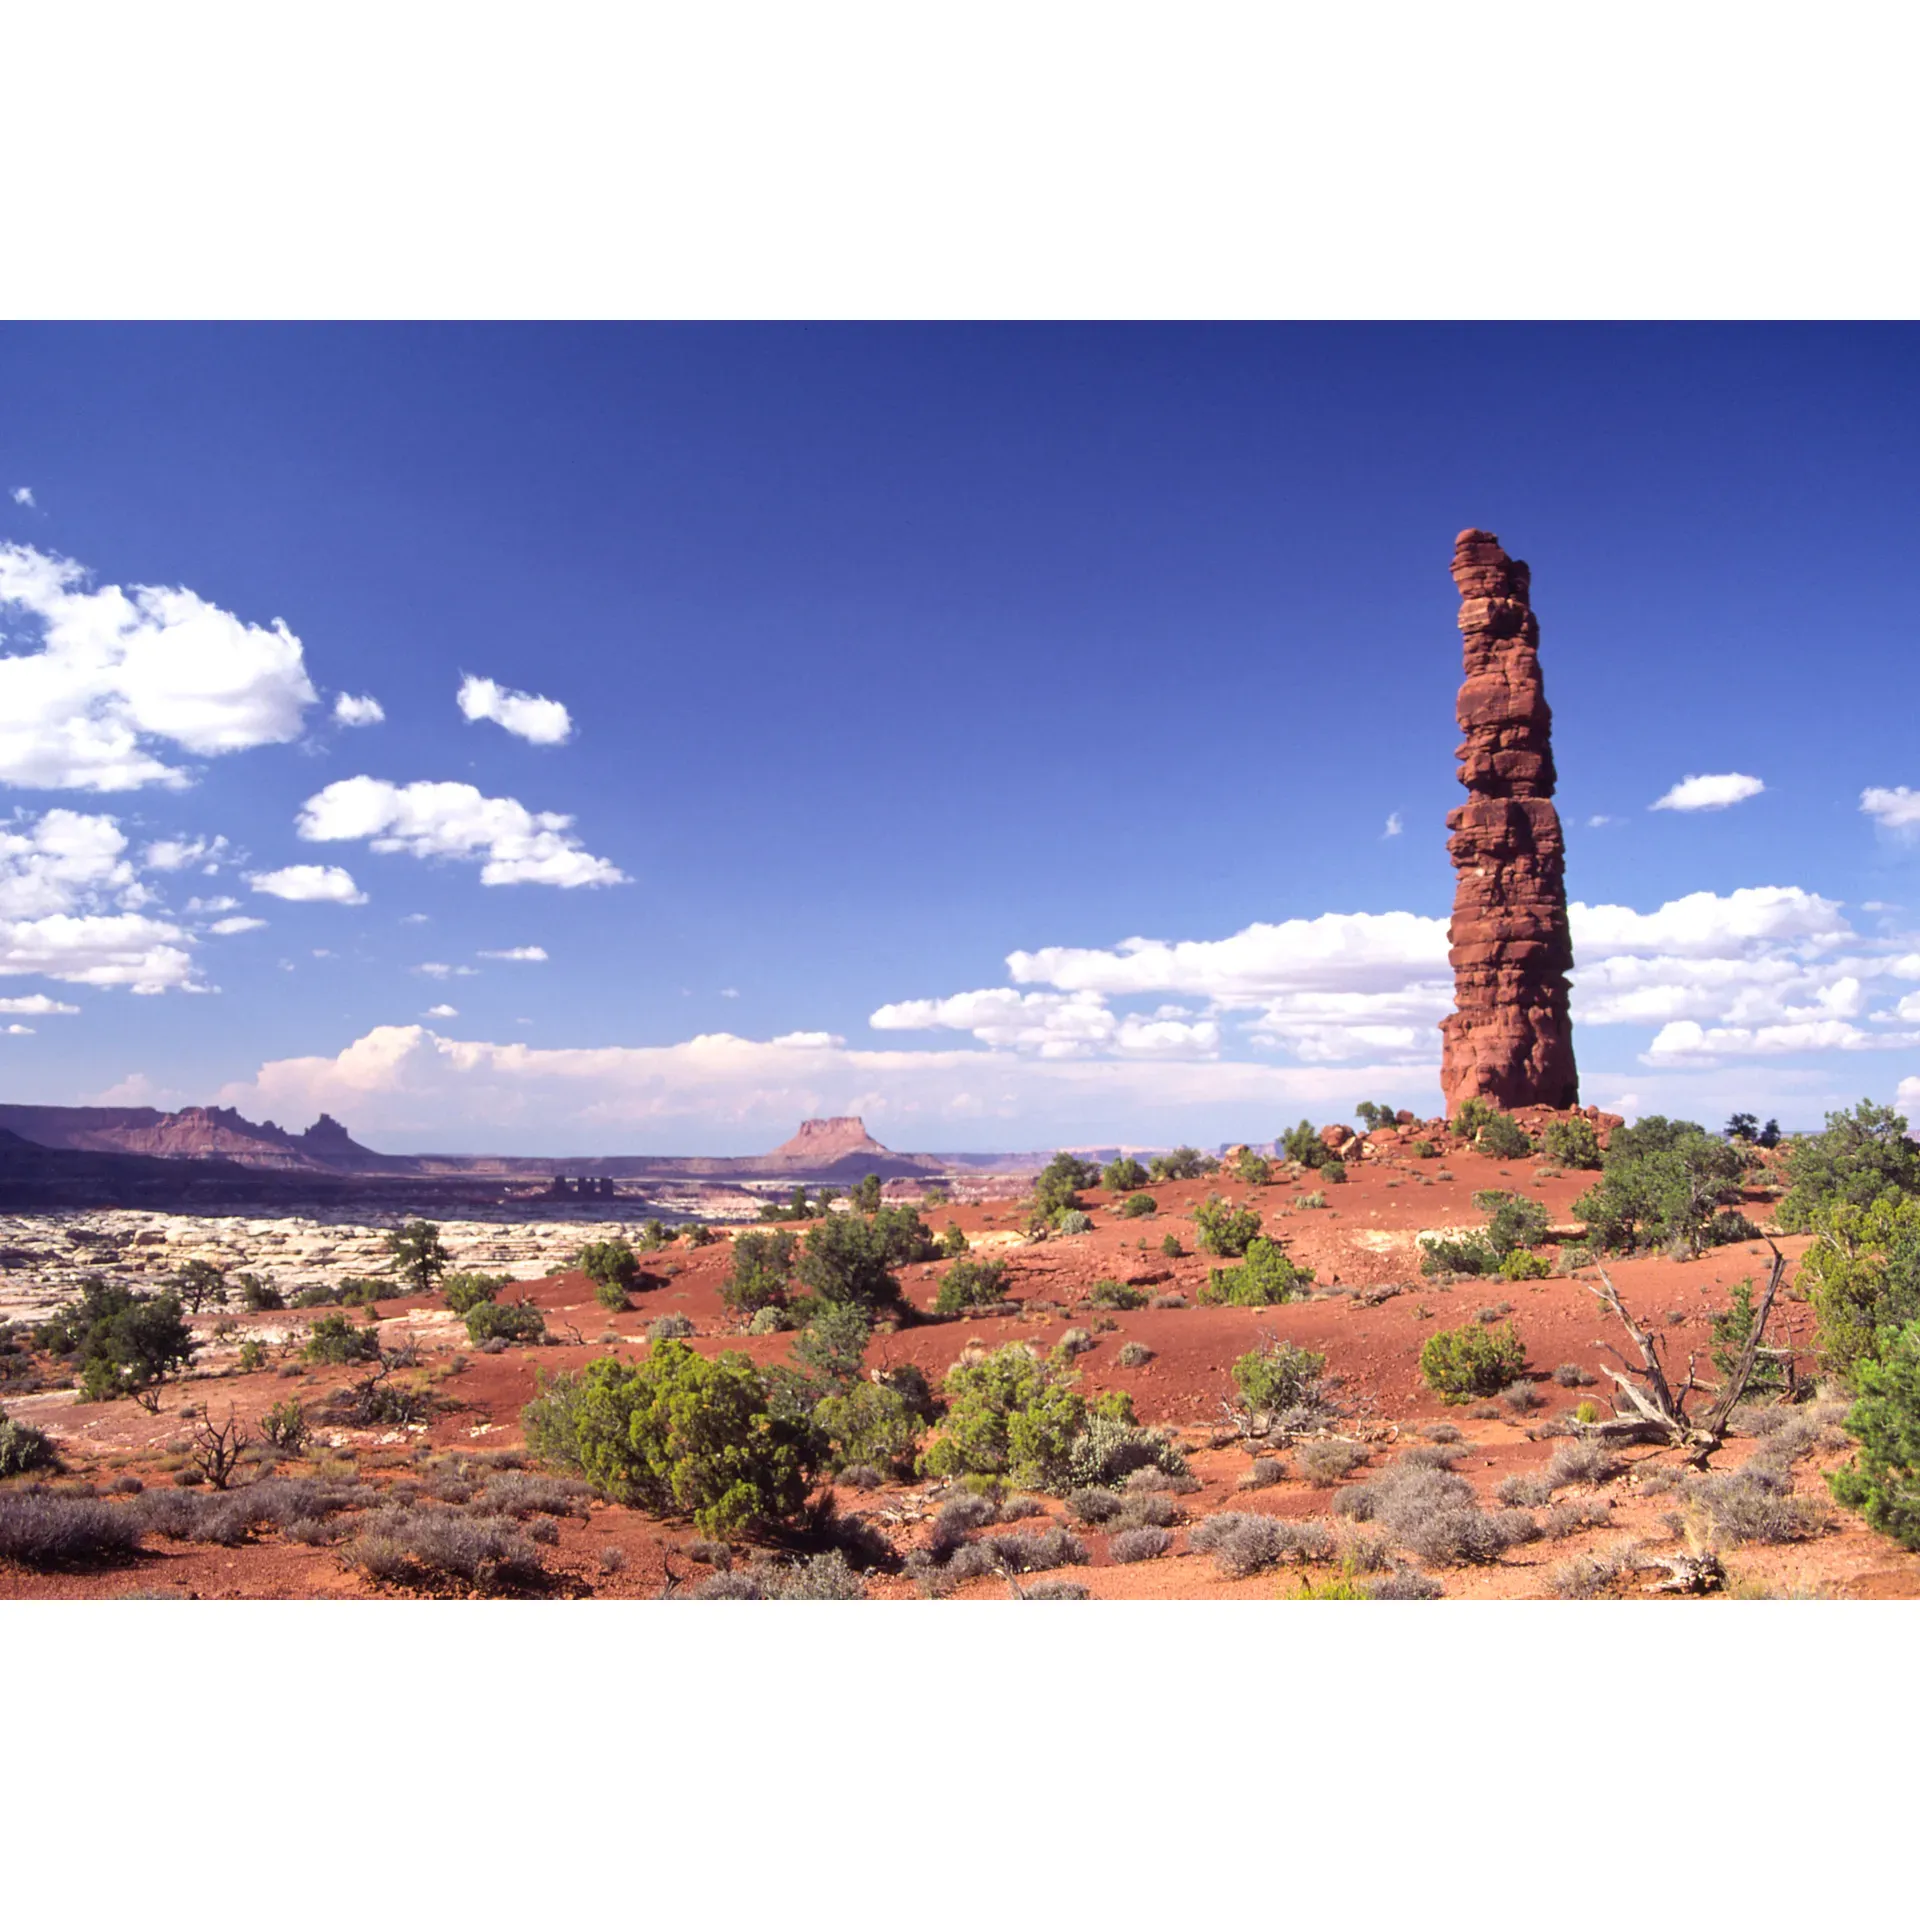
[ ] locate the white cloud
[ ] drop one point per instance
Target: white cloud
(358, 710)
(119, 675)
(729, 993)
(23, 497)
(333, 884)
(448, 819)
(410, 1080)
(415, 919)
(215, 903)
(16, 1027)
(441, 970)
(172, 856)
(513, 953)
(1052, 1026)
(1709, 923)
(35, 1003)
(1600, 820)
(532, 716)
(1685, 1042)
(1395, 827)
(72, 908)
(1897, 809)
(238, 923)
(1708, 792)
(443, 1012)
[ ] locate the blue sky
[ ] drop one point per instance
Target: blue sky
(907, 672)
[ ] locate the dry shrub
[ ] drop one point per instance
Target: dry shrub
(1243, 1544)
(960, 1514)
(1093, 1505)
(1327, 1462)
(1140, 1543)
(1591, 1461)
(1360, 1551)
(1524, 1490)
(1758, 1507)
(433, 1552)
(1405, 1585)
(1058, 1590)
(40, 1528)
(1588, 1575)
(1158, 1480)
(520, 1494)
(1037, 1550)
(1575, 1516)
(1266, 1472)
(1567, 1374)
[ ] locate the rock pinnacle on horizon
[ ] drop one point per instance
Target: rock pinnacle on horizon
(1510, 1037)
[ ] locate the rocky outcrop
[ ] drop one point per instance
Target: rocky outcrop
(1510, 1038)
(820, 1142)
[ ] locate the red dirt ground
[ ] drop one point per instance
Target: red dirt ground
(1361, 1243)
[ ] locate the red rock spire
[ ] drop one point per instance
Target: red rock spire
(1510, 1039)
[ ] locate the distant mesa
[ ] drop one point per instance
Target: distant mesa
(821, 1142)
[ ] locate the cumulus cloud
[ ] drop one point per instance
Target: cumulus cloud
(443, 1012)
(1395, 827)
(110, 678)
(174, 856)
(532, 716)
(441, 970)
(72, 908)
(1687, 1043)
(23, 497)
(333, 884)
(236, 923)
(358, 710)
(411, 1080)
(1052, 1026)
(1897, 809)
(35, 1003)
(513, 953)
(447, 819)
(1709, 923)
(1709, 792)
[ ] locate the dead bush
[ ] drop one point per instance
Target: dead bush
(728, 1586)
(959, 1516)
(1567, 1374)
(1139, 1543)
(1575, 1516)
(1037, 1550)
(821, 1576)
(1093, 1505)
(1057, 1590)
(521, 1494)
(1266, 1472)
(1588, 1460)
(1524, 1490)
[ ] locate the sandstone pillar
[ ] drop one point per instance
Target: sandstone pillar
(1510, 1039)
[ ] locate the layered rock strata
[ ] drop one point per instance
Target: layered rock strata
(1510, 1038)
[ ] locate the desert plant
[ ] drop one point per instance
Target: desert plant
(200, 1283)
(1278, 1378)
(1117, 1295)
(24, 1448)
(490, 1320)
(1008, 1413)
(871, 1426)
(1133, 1353)
(1334, 1173)
(1376, 1116)
(1139, 1543)
(1756, 1506)
(1265, 1278)
(1470, 1363)
(1303, 1147)
(671, 1326)
(1325, 1463)
(1111, 1446)
(615, 1261)
(1243, 1544)
(44, 1529)
(1254, 1168)
(1138, 1206)
(1515, 1220)
(1424, 1150)
(1664, 1183)
(1882, 1483)
(971, 1283)
(848, 1259)
(762, 1272)
(679, 1432)
(418, 1256)
(1863, 1272)
(284, 1426)
(1473, 1114)
(1571, 1143)
(1225, 1231)
(1183, 1163)
(1502, 1138)
(429, 1551)
(260, 1296)
(1524, 1264)
(1859, 1158)
(1123, 1175)
(123, 1342)
(465, 1291)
